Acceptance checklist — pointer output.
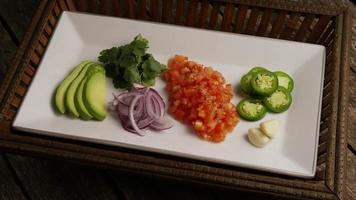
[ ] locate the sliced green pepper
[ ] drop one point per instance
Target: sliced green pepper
(278, 101)
(257, 69)
(264, 83)
(245, 83)
(251, 109)
(284, 80)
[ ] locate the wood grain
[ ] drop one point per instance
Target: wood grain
(8, 187)
(7, 51)
(351, 175)
(352, 100)
(351, 156)
(18, 15)
(352, 112)
(51, 179)
(222, 194)
(353, 44)
(149, 188)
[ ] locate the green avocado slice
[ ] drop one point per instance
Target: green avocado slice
(59, 99)
(95, 92)
(70, 95)
(79, 102)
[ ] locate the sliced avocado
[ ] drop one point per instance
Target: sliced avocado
(70, 95)
(95, 92)
(79, 103)
(59, 99)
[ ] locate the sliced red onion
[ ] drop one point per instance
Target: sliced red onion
(141, 108)
(131, 116)
(161, 125)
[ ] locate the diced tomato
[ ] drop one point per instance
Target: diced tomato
(199, 97)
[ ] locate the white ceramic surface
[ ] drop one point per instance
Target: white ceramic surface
(81, 37)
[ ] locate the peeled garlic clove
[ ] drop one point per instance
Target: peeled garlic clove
(257, 138)
(270, 128)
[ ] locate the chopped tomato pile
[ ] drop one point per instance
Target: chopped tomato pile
(199, 97)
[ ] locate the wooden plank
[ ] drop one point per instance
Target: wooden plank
(179, 12)
(167, 11)
(192, 13)
(149, 188)
(117, 8)
(8, 187)
(251, 24)
(278, 24)
(130, 9)
(214, 15)
(227, 17)
(222, 194)
(353, 45)
(51, 179)
(105, 7)
(203, 17)
(7, 51)
(142, 10)
(352, 101)
(318, 28)
(264, 22)
(18, 14)
(351, 175)
(154, 10)
(352, 104)
(352, 112)
(304, 27)
(291, 26)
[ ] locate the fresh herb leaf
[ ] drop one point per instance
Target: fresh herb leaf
(130, 64)
(151, 67)
(109, 55)
(119, 82)
(132, 75)
(148, 82)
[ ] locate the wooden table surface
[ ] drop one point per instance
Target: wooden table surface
(23, 177)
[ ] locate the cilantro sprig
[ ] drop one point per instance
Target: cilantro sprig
(130, 64)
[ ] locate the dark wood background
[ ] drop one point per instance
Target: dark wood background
(23, 177)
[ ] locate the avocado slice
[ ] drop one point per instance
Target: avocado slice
(79, 102)
(70, 95)
(59, 99)
(95, 92)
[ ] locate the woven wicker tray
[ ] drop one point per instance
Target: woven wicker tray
(290, 20)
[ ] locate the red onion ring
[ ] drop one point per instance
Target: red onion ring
(141, 108)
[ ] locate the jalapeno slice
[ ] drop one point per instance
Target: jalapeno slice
(279, 101)
(257, 69)
(284, 80)
(264, 83)
(251, 109)
(245, 83)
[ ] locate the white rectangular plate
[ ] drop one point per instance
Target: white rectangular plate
(81, 37)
